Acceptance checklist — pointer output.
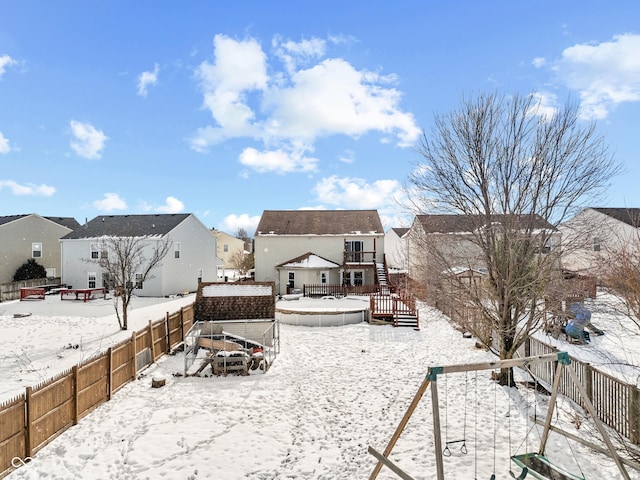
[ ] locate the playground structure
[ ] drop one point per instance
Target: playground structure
(534, 463)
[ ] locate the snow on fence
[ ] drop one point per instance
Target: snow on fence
(616, 402)
(31, 420)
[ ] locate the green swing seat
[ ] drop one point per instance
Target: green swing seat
(541, 468)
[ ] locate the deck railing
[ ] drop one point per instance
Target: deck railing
(323, 290)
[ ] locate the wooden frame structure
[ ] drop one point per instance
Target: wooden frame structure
(562, 359)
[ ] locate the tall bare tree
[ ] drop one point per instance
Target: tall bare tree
(505, 164)
(129, 262)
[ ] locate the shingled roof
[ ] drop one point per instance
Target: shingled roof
(400, 232)
(128, 226)
(319, 222)
(630, 216)
(468, 223)
(68, 222)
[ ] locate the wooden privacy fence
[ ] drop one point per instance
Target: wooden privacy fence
(616, 402)
(11, 291)
(30, 421)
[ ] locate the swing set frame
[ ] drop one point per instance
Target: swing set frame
(431, 379)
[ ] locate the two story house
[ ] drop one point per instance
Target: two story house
(24, 237)
(595, 235)
(191, 258)
(294, 248)
(228, 246)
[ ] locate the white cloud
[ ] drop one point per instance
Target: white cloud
(145, 79)
(357, 193)
(278, 161)
(109, 202)
(6, 61)
(89, 141)
(172, 205)
(27, 189)
(604, 74)
(4, 144)
(250, 98)
(231, 223)
(539, 62)
(545, 105)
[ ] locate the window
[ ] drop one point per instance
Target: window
(358, 278)
(292, 278)
(353, 249)
(92, 279)
(225, 248)
(95, 252)
(596, 244)
(36, 250)
(324, 277)
(139, 281)
(176, 250)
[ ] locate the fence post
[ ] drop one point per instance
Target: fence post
(182, 323)
(135, 354)
(588, 380)
(75, 394)
(168, 335)
(153, 353)
(634, 415)
(109, 372)
(28, 450)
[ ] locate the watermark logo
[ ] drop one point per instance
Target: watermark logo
(20, 462)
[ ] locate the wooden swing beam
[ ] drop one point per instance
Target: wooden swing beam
(431, 379)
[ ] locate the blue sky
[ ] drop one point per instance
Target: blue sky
(225, 109)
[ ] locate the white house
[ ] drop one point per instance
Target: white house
(294, 248)
(396, 249)
(595, 233)
(24, 237)
(191, 259)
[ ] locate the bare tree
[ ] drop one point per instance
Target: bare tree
(128, 262)
(241, 261)
(508, 168)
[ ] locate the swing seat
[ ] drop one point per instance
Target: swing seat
(540, 467)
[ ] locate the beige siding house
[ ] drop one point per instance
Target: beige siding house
(24, 237)
(294, 248)
(445, 244)
(226, 247)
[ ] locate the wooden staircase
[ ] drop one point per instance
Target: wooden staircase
(397, 309)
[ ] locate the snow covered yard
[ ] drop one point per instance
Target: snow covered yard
(330, 394)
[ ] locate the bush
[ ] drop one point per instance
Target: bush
(29, 270)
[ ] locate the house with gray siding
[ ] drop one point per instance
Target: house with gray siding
(31, 236)
(294, 248)
(191, 258)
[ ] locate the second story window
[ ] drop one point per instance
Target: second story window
(225, 248)
(596, 244)
(95, 251)
(176, 250)
(36, 250)
(353, 249)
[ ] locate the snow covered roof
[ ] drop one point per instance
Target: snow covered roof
(308, 260)
(236, 290)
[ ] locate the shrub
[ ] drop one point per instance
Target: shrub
(29, 270)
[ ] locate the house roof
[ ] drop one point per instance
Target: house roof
(68, 222)
(319, 222)
(308, 260)
(630, 216)
(400, 232)
(128, 226)
(469, 223)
